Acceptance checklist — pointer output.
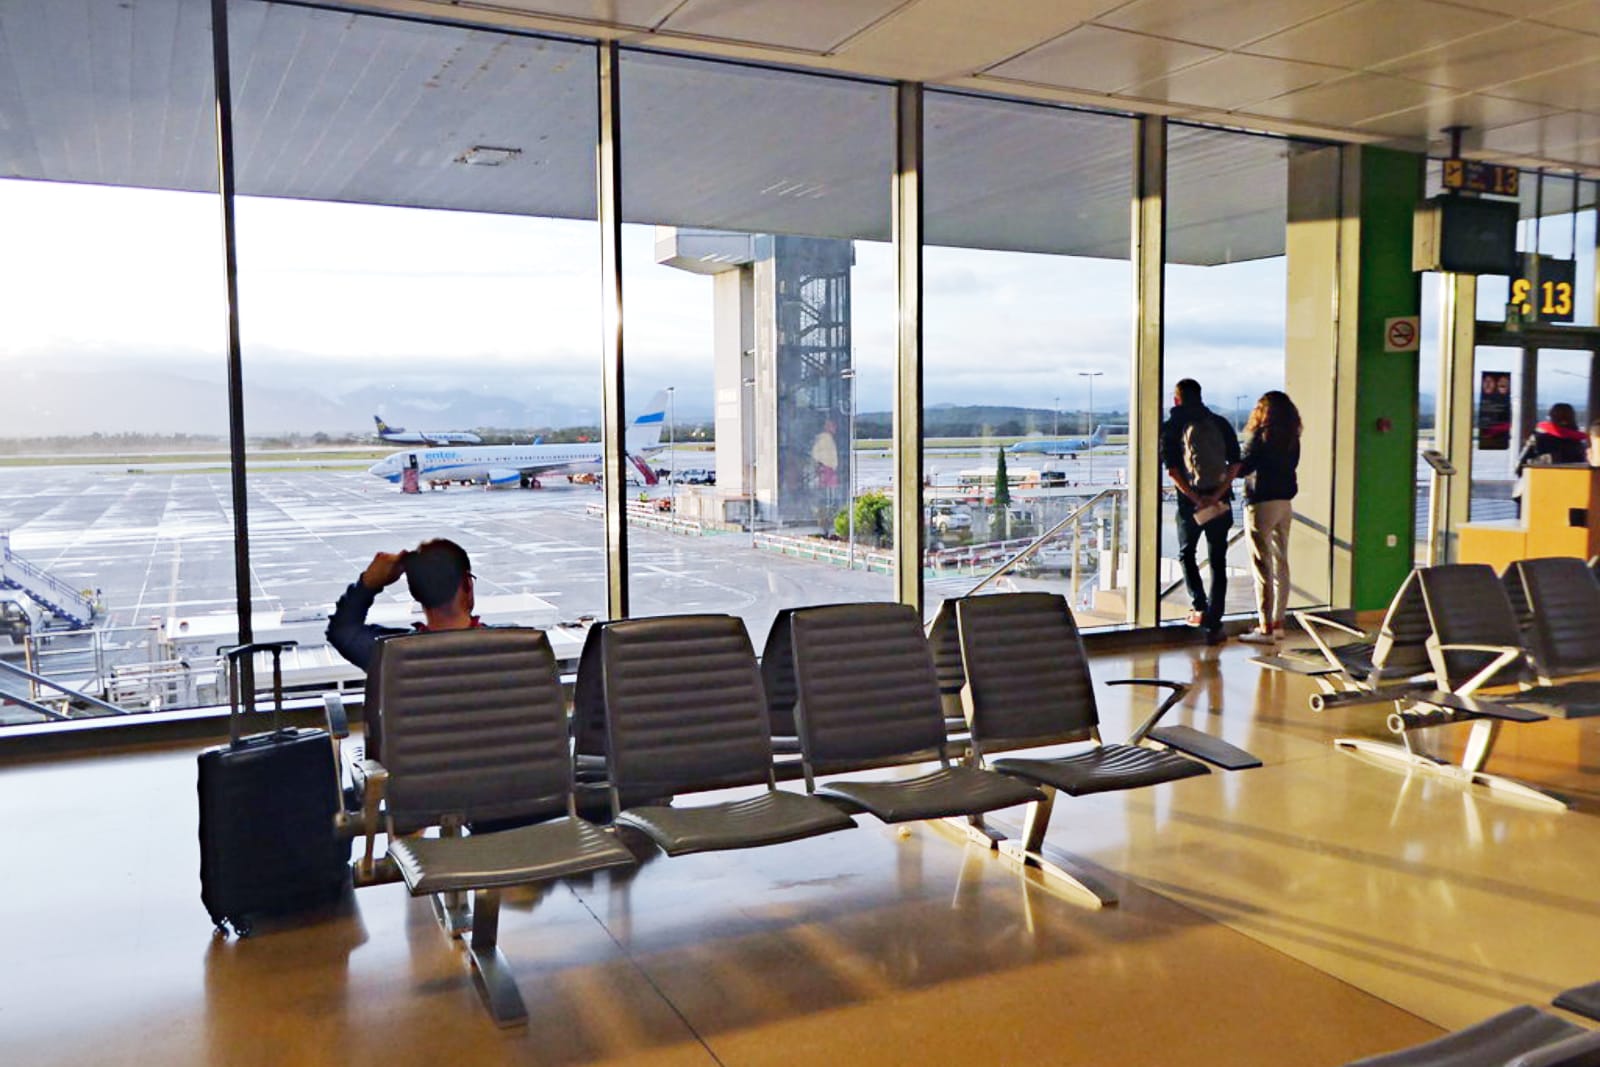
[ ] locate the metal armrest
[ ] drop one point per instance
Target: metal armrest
(1505, 655)
(1312, 623)
(333, 711)
(374, 778)
(1179, 691)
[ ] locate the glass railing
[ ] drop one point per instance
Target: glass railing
(1071, 544)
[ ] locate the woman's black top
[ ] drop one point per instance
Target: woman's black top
(1268, 470)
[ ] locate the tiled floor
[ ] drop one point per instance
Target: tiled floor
(1314, 910)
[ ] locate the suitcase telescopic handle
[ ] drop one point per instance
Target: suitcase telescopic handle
(237, 695)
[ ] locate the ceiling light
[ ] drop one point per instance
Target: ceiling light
(483, 155)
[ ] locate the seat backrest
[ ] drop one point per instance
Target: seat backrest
(683, 705)
(867, 691)
(474, 725)
(589, 698)
(945, 641)
(1467, 605)
(777, 675)
(1564, 601)
(1027, 673)
(1401, 648)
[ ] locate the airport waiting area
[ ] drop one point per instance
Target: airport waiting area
(744, 532)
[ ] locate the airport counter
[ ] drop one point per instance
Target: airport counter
(1560, 517)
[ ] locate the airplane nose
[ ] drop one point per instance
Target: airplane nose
(380, 468)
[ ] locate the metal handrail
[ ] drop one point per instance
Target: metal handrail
(1039, 541)
(39, 679)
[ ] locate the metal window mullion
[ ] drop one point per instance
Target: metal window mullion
(236, 459)
(1453, 410)
(907, 230)
(608, 178)
(1149, 244)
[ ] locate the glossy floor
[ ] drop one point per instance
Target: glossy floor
(1311, 911)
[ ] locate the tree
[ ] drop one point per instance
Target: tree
(874, 519)
(1002, 495)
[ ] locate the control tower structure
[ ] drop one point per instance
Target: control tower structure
(782, 357)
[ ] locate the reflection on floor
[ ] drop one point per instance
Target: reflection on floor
(1309, 912)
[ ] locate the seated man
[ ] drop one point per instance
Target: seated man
(439, 576)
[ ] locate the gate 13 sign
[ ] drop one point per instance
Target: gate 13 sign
(1549, 298)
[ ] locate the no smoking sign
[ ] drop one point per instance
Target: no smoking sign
(1401, 334)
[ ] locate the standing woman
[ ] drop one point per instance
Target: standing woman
(1271, 454)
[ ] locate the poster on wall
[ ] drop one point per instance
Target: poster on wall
(1494, 411)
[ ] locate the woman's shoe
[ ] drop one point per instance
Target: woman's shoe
(1259, 637)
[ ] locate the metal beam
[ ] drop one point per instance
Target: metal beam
(614, 420)
(907, 223)
(236, 464)
(1453, 414)
(1149, 242)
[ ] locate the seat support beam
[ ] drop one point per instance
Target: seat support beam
(490, 971)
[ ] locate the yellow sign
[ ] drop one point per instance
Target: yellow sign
(1471, 176)
(1545, 294)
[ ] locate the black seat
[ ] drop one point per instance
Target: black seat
(1393, 661)
(777, 682)
(684, 713)
(1028, 686)
(475, 729)
(1522, 1037)
(1562, 628)
(868, 697)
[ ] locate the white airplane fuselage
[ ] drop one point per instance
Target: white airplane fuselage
(494, 464)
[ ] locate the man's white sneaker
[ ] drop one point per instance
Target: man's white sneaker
(1258, 637)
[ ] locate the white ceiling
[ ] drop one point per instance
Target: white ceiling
(1525, 76)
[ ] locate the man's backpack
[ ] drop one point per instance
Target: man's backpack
(1205, 453)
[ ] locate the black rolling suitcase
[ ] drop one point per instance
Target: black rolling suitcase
(267, 802)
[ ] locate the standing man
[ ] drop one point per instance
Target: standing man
(439, 576)
(1200, 452)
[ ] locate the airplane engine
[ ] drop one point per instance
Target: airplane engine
(505, 477)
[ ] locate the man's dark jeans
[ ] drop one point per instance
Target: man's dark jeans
(1209, 602)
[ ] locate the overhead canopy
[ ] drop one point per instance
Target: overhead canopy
(330, 105)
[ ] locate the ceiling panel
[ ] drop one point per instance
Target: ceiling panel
(1026, 177)
(98, 92)
(1227, 196)
(731, 147)
(928, 39)
(638, 13)
(1100, 60)
(814, 26)
(1576, 87)
(1377, 31)
(1217, 23)
(1233, 81)
(1475, 111)
(1486, 60)
(335, 106)
(1550, 135)
(1351, 100)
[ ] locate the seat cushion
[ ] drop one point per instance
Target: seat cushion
(1569, 700)
(938, 795)
(1490, 1043)
(768, 819)
(506, 858)
(1104, 769)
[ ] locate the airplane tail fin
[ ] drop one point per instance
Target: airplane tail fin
(644, 432)
(1099, 437)
(383, 427)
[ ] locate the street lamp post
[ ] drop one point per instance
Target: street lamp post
(849, 375)
(1238, 408)
(672, 453)
(1055, 419)
(1091, 375)
(747, 423)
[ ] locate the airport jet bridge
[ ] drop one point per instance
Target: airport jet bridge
(50, 593)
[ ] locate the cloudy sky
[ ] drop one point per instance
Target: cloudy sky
(337, 300)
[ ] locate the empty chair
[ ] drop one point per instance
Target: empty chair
(1522, 1037)
(867, 696)
(1028, 686)
(778, 685)
(1561, 617)
(684, 713)
(1394, 661)
(1475, 644)
(475, 729)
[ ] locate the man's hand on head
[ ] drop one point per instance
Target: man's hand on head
(384, 570)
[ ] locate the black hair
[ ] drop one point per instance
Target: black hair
(1188, 391)
(435, 571)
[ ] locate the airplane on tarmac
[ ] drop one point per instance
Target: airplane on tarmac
(523, 464)
(400, 436)
(1061, 446)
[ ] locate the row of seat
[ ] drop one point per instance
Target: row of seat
(469, 730)
(1453, 631)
